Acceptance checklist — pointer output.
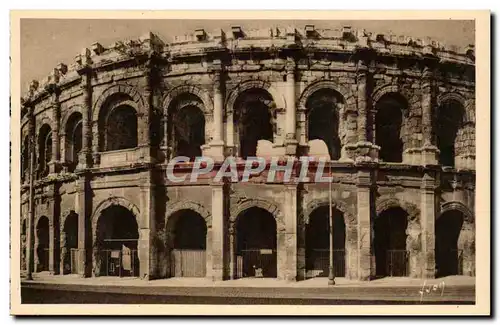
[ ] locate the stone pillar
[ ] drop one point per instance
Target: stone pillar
(85, 156)
(144, 117)
(290, 121)
(364, 209)
(83, 208)
(230, 133)
(217, 144)
(291, 231)
(467, 243)
(366, 151)
(427, 224)
(429, 152)
(147, 249)
(62, 250)
(54, 164)
(52, 246)
(232, 250)
(30, 234)
(218, 231)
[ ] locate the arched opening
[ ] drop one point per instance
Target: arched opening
(256, 244)
(391, 257)
(323, 119)
(318, 243)
(448, 256)
(188, 243)
(70, 244)
(389, 127)
(186, 126)
(117, 238)
(42, 247)
(254, 120)
(45, 150)
(448, 124)
(121, 128)
(73, 144)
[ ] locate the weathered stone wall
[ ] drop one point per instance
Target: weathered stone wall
(287, 66)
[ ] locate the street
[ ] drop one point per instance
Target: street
(44, 293)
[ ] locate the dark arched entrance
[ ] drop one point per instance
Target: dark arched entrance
(388, 127)
(448, 256)
(253, 120)
(447, 126)
(318, 243)
(186, 126)
(117, 236)
(323, 119)
(188, 242)
(121, 128)
(391, 257)
(256, 244)
(70, 244)
(42, 248)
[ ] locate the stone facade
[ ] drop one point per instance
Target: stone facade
(395, 114)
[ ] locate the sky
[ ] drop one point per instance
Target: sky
(48, 42)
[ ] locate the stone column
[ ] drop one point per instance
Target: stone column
(366, 151)
(52, 246)
(290, 121)
(147, 249)
(218, 231)
(83, 208)
(364, 225)
(429, 152)
(467, 243)
(85, 156)
(144, 117)
(427, 224)
(291, 231)
(217, 144)
(54, 164)
(230, 132)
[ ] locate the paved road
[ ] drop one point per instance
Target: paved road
(38, 293)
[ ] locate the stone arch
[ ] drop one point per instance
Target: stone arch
(188, 89)
(75, 109)
(384, 203)
(131, 91)
(350, 101)
(349, 216)
(380, 91)
(267, 205)
(45, 214)
(455, 205)
(109, 202)
(451, 96)
(64, 217)
(277, 97)
(189, 205)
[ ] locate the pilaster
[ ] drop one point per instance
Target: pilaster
(364, 209)
(429, 152)
(291, 142)
(427, 223)
(218, 232)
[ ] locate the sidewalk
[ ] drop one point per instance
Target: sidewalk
(451, 281)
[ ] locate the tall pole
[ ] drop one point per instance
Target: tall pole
(31, 233)
(331, 274)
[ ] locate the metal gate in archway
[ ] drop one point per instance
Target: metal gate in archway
(188, 263)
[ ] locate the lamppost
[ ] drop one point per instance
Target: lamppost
(331, 273)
